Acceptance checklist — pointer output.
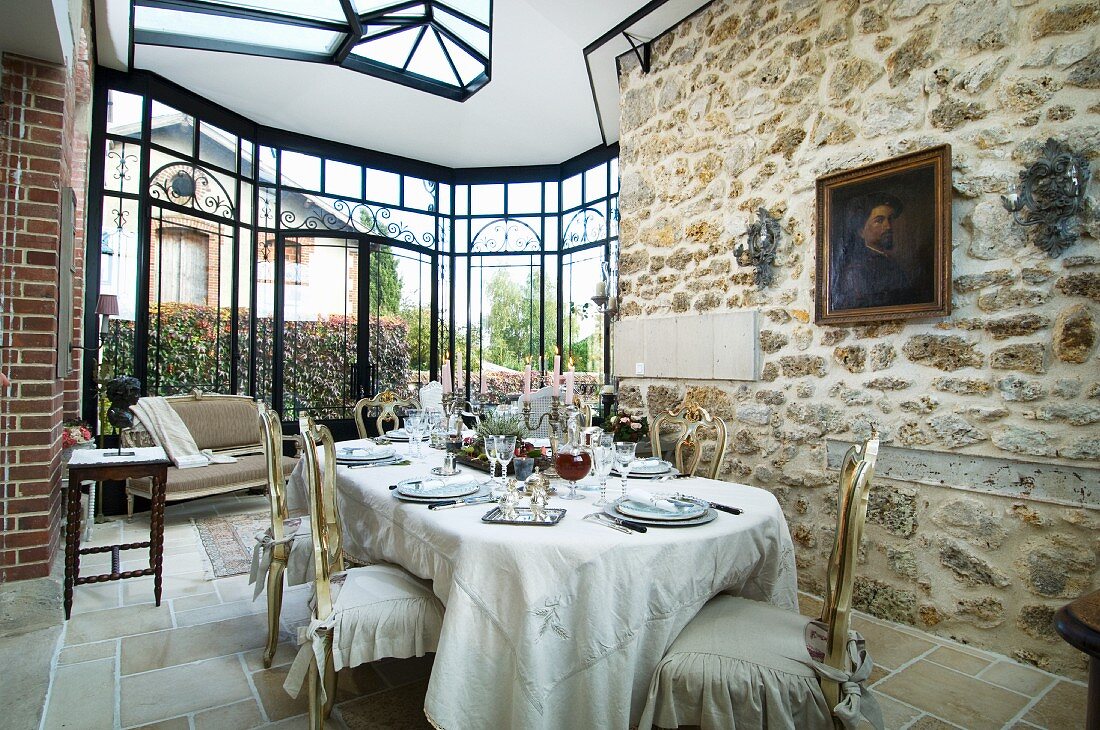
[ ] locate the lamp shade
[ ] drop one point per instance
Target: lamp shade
(107, 304)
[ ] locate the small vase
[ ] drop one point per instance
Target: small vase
(523, 467)
(645, 448)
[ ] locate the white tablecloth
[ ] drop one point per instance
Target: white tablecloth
(560, 627)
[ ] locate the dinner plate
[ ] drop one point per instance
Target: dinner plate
(648, 467)
(364, 453)
(398, 434)
(685, 509)
(435, 489)
(479, 491)
(709, 516)
(635, 475)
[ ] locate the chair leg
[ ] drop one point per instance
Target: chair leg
(129, 507)
(316, 712)
(329, 677)
(274, 608)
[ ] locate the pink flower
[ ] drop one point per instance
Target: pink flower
(636, 426)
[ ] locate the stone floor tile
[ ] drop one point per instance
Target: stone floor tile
(284, 654)
(176, 723)
(300, 722)
(1063, 706)
(894, 714)
(82, 696)
(950, 694)
(179, 690)
(88, 652)
(95, 596)
(932, 723)
(140, 590)
(189, 562)
(889, 647)
(1017, 677)
(26, 659)
(237, 588)
(220, 612)
(189, 603)
(277, 703)
(238, 716)
(954, 659)
(397, 708)
(116, 622)
(193, 643)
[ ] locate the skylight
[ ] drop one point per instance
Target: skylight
(442, 47)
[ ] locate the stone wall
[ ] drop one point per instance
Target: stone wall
(746, 105)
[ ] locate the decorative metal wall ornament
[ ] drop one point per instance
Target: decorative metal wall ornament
(760, 254)
(190, 186)
(506, 234)
(1052, 190)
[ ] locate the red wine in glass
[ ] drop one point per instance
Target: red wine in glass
(573, 464)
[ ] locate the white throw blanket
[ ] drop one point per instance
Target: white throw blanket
(169, 432)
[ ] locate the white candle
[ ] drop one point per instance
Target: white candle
(527, 381)
(447, 377)
(484, 381)
(458, 372)
(601, 288)
(557, 368)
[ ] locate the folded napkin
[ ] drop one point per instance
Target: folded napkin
(190, 461)
(219, 458)
(643, 497)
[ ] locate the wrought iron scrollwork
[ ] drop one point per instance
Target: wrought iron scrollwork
(121, 171)
(1052, 190)
(506, 234)
(760, 254)
(584, 226)
(192, 187)
(337, 214)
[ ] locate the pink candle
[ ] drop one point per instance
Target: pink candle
(447, 377)
(527, 381)
(569, 387)
(484, 381)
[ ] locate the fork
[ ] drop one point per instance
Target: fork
(597, 518)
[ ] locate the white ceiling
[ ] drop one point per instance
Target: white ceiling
(537, 109)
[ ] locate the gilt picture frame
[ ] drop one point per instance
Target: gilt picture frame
(884, 240)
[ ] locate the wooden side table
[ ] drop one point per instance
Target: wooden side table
(97, 465)
(1079, 625)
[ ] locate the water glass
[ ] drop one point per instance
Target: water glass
(414, 427)
(625, 453)
(506, 450)
(603, 458)
(492, 450)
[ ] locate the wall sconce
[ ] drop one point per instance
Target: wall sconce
(1052, 190)
(605, 299)
(760, 254)
(106, 306)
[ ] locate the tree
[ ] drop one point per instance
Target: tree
(385, 282)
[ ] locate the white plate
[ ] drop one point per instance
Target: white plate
(709, 516)
(648, 467)
(685, 509)
(480, 491)
(398, 434)
(433, 488)
(364, 453)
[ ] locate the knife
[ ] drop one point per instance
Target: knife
(448, 503)
(626, 523)
(712, 505)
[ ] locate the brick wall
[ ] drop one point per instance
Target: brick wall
(44, 123)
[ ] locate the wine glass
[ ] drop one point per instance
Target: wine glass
(573, 463)
(492, 450)
(603, 458)
(414, 427)
(506, 450)
(625, 452)
(435, 432)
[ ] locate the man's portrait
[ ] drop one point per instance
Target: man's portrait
(884, 240)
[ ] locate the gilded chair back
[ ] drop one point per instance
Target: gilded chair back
(387, 404)
(271, 438)
(585, 410)
(693, 427)
(324, 515)
(855, 484)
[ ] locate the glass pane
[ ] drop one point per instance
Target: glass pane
(265, 215)
(343, 179)
(571, 192)
(173, 129)
(585, 225)
(217, 147)
(469, 68)
(300, 171)
(462, 237)
(524, 198)
(445, 199)
(403, 225)
(420, 194)
(118, 275)
(487, 199)
(383, 187)
(256, 33)
(320, 310)
(121, 167)
(247, 156)
(462, 199)
(189, 325)
(392, 50)
(245, 214)
(124, 114)
(476, 9)
(550, 236)
(583, 325)
(428, 60)
(414, 273)
(184, 183)
(243, 311)
(614, 174)
(317, 9)
(264, 343)
(267, 164)
(399, 320)
(476, 37)
(551, 197)
(595, 183)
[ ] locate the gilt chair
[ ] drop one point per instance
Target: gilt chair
(746, 664)
(585, 410)
(359, 614)
(692, 429)
(387, 404)
(285, 547)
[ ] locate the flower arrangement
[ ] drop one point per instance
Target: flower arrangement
(629, 427)
(527, 449)
(75, 433)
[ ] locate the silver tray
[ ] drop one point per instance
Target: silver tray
(524, 517)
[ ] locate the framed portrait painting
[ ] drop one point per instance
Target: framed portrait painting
(884, 240)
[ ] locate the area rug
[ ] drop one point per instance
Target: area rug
(229, 541)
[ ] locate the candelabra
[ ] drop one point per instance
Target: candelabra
(557, 420)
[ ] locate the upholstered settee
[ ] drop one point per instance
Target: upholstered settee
(225, 424)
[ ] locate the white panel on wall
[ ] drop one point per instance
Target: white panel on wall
(720, 346)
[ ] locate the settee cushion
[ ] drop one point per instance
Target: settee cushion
(219, 422)
(248, 471)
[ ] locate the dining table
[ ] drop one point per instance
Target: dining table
(558, 626)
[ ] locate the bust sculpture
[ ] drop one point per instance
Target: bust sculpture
(122, 392)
